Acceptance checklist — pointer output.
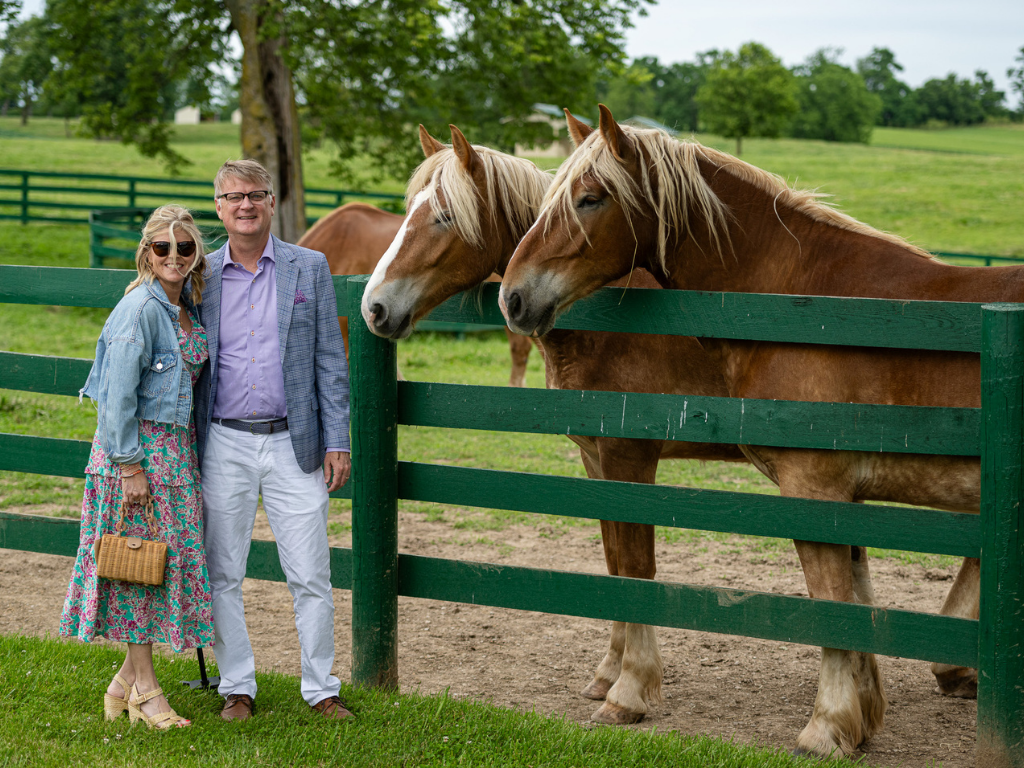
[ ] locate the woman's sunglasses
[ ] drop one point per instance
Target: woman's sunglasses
(185, 248)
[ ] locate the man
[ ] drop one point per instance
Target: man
(271, 408)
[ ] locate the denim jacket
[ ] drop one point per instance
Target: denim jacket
(138, 372)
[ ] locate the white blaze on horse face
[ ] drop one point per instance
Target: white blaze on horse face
(389, 256)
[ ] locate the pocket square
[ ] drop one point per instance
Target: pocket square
(299, 297)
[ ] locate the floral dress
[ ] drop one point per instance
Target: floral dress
(178, 612)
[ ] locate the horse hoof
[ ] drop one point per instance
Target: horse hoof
(959, 683)
(597, 690)
(613, 714)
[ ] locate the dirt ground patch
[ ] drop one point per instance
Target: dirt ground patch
(748, 690)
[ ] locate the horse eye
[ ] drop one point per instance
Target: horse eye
(445, 217)
(588, 201)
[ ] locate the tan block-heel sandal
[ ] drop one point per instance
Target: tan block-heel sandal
(113, 706)
(161, 720)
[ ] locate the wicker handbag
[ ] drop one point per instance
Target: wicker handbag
(131, 558)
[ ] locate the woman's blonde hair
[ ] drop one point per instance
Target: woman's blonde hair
(171, 217)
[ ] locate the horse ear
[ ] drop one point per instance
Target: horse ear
(614, 135)
(429, 143)
(578, 130)
(463, 149)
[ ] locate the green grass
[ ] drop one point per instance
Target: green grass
(51, 715)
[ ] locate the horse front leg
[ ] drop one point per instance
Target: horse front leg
(611, 665)
(850, 704)
(963, 601)
(639, 664)
(519, 349)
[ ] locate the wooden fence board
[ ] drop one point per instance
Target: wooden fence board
(902, 528)
(857, 627)
(44, 374)
(947, 326)
(831, 426)
(43, 455)
(711, 609)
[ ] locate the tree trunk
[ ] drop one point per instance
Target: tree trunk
(26, 110)
(270, 117)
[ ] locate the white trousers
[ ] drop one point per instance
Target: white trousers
(237, 468)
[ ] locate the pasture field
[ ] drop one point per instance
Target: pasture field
(391, 729)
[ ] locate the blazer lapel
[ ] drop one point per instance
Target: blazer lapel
(210, 308)
(287, 278)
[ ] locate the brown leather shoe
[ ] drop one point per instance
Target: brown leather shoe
(332, 708)
(238, 706)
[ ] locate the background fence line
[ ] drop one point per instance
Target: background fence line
(90, 191)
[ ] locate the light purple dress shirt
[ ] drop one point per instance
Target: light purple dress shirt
(251, 378)
(250, 374)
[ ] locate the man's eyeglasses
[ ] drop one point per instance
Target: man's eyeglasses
(236, 197)
(185, 248)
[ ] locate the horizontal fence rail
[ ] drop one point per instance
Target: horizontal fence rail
(27, 191)
(907, 634)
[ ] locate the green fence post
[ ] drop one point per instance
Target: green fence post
(24, 198)
(131, 193)
(1001, 622)
(95, 241)
(373, 373)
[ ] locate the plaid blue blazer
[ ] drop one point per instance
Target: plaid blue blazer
(312, 353)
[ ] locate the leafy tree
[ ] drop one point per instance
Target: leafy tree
(749, 93)
(362, 73)
(120, 63)
(25, 65)
(1016, 75)
(631, 93)
(879, 70)
(675, 89)
(835, 104)
(959, 101)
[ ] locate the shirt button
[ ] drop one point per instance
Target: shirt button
(254, 413)
(159, 366)
(254, 359)
(252, 333)
(252, 306)
(254, 386)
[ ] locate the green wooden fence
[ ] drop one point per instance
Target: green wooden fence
(26, 195)
(377, 574)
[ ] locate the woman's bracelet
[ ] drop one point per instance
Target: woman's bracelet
(127, 470)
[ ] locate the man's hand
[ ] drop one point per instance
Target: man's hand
(337, 467)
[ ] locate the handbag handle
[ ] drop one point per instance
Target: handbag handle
(150, 515)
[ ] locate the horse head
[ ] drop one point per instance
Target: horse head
(468, 206)
(611, 208)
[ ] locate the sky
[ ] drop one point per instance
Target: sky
(930, 38)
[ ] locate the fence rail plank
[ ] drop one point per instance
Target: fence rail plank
(43, 455)
(710, 609)
(46, 375)
(831, 426)
(885, 527)
(931, 325)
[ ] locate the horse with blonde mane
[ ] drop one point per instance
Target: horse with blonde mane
(700, 219)
(468, 208)
(355, 236)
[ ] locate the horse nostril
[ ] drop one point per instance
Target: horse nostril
(514, 305)
(380, 314)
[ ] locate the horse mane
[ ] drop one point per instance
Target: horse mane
(516, 183)
(681, 186)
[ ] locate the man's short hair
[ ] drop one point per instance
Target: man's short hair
(248, 170)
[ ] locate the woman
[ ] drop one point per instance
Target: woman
(147, 359)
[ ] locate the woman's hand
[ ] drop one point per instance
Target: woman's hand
(135, 489)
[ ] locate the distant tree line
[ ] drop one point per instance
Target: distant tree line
(750, 93)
